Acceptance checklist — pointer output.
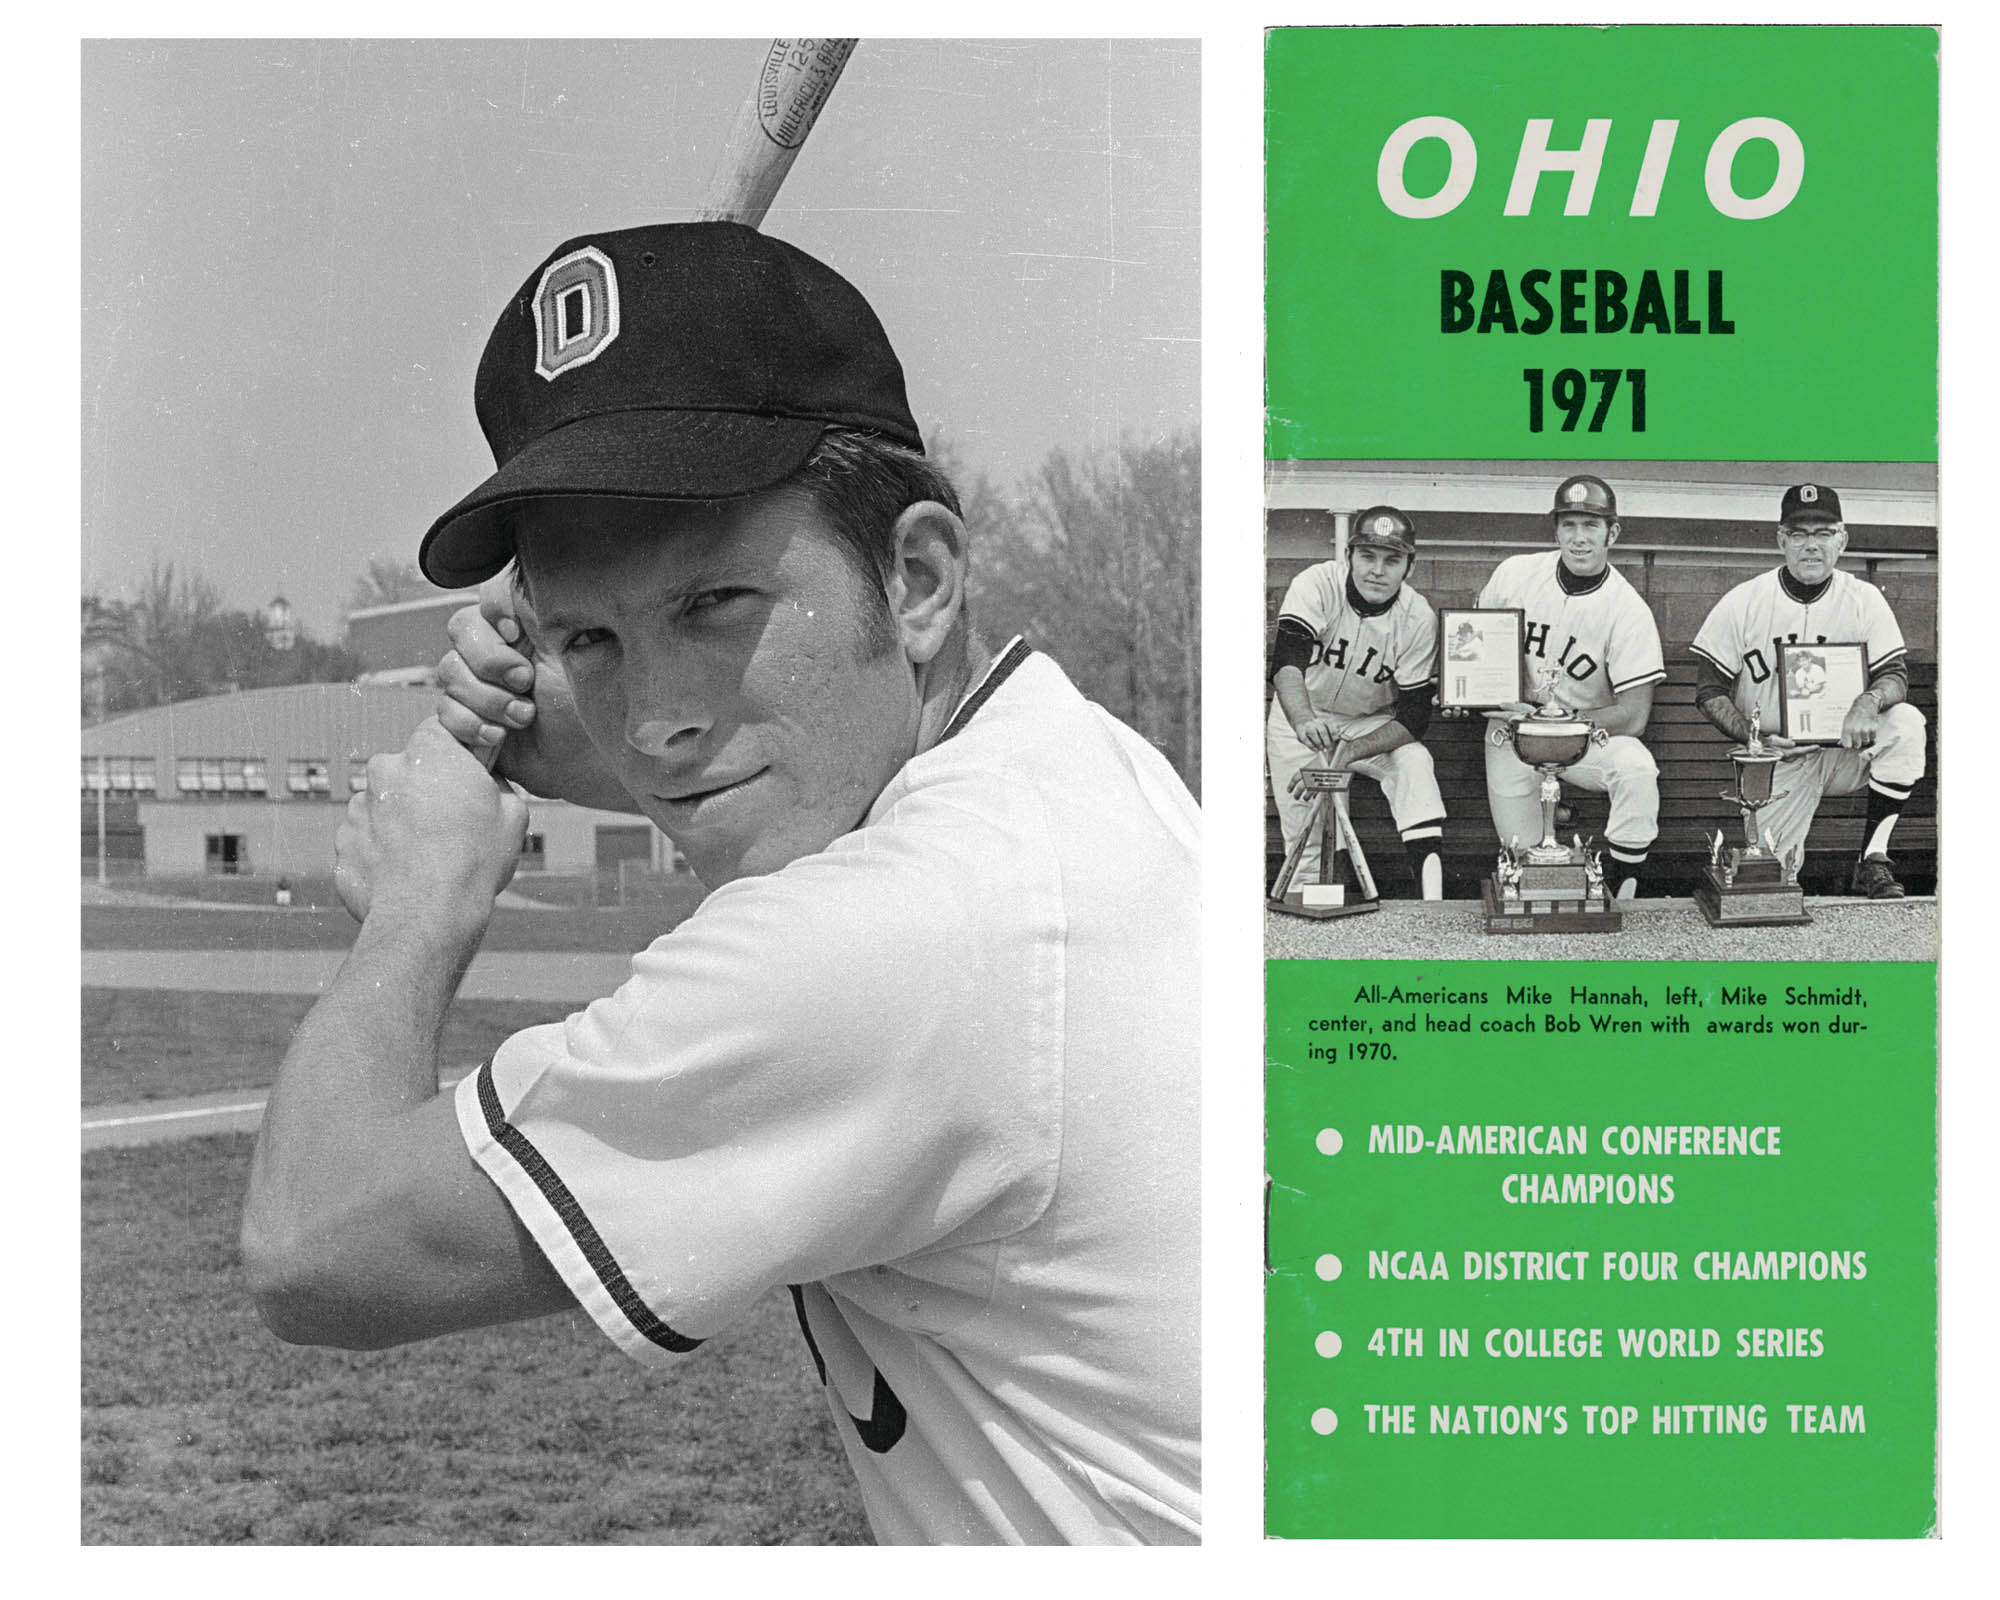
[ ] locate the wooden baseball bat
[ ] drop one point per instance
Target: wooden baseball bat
(792, 85)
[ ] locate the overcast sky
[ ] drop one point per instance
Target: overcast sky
(293, 252)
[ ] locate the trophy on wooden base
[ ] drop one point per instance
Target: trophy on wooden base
(1754, 886)
(1550, 887)
(1329, 822)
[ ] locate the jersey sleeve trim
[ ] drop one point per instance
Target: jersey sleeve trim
(1893, 658)
(1716, 662)
(570, 1214)
(1655, 676)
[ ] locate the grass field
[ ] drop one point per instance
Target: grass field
(146, 1044)
(200, 1428)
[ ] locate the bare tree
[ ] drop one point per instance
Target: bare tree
(175, 640)
(388, 580)
(1099, 562)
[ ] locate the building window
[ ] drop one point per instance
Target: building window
(231, 777)
(121, 775)
(228, 854)
(310, 778)
(357, 774)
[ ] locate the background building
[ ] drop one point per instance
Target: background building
(256, 782)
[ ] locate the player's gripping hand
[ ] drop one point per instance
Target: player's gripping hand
(1316, 733)
(434, 835)
(510, 703)
(1862, 723)
(488, 676)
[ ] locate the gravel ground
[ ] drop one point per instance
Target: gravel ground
(1654, 930)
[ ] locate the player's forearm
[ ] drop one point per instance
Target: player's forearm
(364, 1059)
(1628, 714)
(1725, 718)
(1889, 688)
(1390, 736)
(1290, 684)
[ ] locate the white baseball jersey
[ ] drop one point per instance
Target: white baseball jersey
(941, 1077)
(1599, 643)
(1358, 662)
(1740, 637)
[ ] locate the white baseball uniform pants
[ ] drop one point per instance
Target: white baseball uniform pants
(1892, 764)
(1406, 774)
(1621, 767)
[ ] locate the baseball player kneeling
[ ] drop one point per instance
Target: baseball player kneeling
(1354, 667)
(1591, 640)
(1809, 600)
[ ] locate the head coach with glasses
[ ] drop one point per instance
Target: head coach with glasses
(927, 1054)
(1810, 600)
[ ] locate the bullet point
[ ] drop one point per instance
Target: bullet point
(1328, 1141)
(1324, 1421)
(1328, 1344)
(1328, 1267)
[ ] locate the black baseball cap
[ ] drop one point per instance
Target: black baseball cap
(1591, 496)
(682, 361)
(1384, 526)
(1808, 502)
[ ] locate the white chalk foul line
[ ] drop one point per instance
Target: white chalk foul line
(172, 1116)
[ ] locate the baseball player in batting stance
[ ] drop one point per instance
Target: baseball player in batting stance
(1809, 600)
(926, 1055)
(1354, 667)
(1593, 647)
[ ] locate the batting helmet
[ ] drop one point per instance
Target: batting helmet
(1384, 526)
(1591, 496)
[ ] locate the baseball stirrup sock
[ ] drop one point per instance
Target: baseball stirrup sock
(1420, 845)
(1885, 806)
(1624, 874)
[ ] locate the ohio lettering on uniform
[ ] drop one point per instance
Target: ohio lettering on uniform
(1596, 633)
(1356, 664)
(1740, 639)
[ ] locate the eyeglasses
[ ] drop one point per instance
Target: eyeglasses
(1818, 536)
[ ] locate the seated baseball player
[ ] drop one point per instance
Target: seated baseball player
(1592, 648)
(1810, 600)
(1354, 669)
(925, 1058)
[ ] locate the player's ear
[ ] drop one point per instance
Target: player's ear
(1616, 529)
(927, 581)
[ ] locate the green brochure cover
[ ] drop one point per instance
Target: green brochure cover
(1602, 726)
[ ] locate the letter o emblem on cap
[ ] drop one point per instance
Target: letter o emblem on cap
(576, 311)
(1577, 491)
(1809, 493)
(1385, 526)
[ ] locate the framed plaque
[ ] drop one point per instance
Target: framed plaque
(1479, 658)
(1816, 685)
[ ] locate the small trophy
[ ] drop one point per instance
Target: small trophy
(1550, 887)
(1753, 886)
